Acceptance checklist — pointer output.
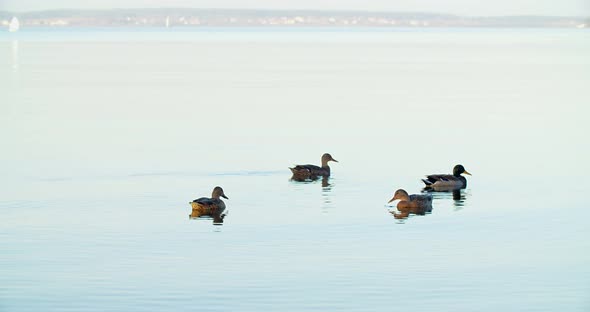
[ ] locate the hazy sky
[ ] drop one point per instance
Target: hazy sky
(460, 7)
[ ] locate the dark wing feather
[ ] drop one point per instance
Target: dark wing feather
(421, 197)
(441, 177)
(311, 168)
(204, 201)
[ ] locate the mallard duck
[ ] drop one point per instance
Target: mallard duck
(446, 182)
(415, 203)
(309, 171)
(209, 206)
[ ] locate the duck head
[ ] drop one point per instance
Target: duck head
(400, 194)
(326, 158)
(459, 169)
(218, 192)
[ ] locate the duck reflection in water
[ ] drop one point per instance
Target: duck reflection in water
(459, 198)
(418, 204)
(312, 179)
(326, 188)
(440, 192)
(212, 207)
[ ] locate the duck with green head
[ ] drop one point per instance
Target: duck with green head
(447, 181)
(209, 206)
(310, 171)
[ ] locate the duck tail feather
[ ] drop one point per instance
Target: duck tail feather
(427, 182)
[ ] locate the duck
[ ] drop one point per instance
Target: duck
(209, 206)
(415, 203)
(446, 182)
(311, 171)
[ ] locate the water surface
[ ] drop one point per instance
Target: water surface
(108, 135)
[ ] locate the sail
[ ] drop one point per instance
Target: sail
(14, 24)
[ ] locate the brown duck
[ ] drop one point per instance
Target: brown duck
(415, 203)
(309, 171)
(445, 182)
(209, 206)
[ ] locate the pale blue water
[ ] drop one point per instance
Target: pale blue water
(107, 136)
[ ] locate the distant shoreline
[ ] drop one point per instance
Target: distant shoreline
(179, 17)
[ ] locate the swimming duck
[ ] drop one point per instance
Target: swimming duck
(208, 206)
(308, 171)
(447, 182)
(415, 203)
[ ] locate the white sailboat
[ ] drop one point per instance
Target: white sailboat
(14, 24)
(167, 21)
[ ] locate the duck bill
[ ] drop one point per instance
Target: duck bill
(334, 160)
(223, 195)
(391, 200)
(467, 173)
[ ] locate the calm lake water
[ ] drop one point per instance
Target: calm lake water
(106, 136)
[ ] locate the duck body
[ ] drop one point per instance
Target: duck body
(308, 171)
(419, 204)
(302, 172)
(209, 206)
(206, 206)
(446, 182)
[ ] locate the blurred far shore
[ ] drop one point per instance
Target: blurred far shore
(184, 17)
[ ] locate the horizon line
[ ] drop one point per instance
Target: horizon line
(16, 12)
